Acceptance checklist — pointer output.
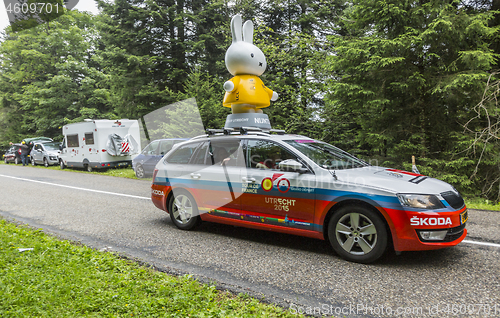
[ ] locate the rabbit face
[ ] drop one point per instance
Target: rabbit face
(243, 57)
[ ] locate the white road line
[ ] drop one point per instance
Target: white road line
(481, 243)
(77, 188)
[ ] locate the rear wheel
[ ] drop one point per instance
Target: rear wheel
(89, 168)
(33, 163)
(183, 210)
(16, 160)
(139, 171)
(5, 160)
(358, 234)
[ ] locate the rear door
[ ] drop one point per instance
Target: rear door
(217, 181)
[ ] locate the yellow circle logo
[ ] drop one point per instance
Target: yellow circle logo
(267, 184)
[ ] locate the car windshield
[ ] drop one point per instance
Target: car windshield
(51, 146)
(325, 155)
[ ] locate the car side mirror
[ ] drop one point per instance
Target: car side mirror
(292, 165)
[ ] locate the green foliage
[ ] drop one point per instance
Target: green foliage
(48, 78)
(61, 279)
(405, 79)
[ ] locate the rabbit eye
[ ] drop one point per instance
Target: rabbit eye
(251, 54)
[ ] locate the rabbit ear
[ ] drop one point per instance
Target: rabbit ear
(236, 28)
(248, 32)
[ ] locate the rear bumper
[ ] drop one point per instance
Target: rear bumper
(100, 165)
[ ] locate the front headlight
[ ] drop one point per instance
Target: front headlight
(420, 201)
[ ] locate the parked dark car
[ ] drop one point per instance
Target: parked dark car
(144, 164)
(13, 154)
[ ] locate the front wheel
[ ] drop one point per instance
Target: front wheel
(45, 162)
(183, 210)
(358, 234)
(61, 164)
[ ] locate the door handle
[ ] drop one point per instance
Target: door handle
(195, 175)
(248, 180)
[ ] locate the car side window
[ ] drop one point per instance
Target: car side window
(182, 154)
(264, 154)
(151, 149)
(228, 151)
(201, 156)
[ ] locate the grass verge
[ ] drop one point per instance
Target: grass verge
(61, 279)
(482, 204)
(114, 172)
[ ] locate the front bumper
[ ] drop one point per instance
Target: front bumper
(410, 229)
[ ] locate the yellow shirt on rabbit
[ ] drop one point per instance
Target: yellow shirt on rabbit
(248, 89)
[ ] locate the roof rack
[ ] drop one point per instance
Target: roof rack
(277, 131)
(240, 131)
(245, 130)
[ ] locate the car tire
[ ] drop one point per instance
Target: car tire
(16, 161)
(45, 162)
(61, 164)
(33, 163)
(139, 171)
(89, 168)
(358, 234)
(5, 160)
(183, 210)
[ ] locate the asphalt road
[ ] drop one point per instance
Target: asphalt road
(299, 273)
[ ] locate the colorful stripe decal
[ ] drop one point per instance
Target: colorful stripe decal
(286, 222)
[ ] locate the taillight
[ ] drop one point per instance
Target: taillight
(104, 150)
(154, 175)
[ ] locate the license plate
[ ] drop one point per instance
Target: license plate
(464, 216)
(122, 164)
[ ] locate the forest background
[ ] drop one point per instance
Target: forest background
(382, 79)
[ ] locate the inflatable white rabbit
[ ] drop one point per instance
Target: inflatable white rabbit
(245, 92)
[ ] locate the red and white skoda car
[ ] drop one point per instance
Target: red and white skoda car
(297, 185)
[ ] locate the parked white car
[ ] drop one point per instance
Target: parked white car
(46, 153)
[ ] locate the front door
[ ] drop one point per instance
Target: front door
(282, 198)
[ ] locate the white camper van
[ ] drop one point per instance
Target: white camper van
(100, 144)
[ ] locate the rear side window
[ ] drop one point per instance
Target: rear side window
(166, 146)
(72, 141)
(89, 138)
(200, 157)
(182, 154)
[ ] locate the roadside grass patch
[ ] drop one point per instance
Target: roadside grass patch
(482, 204)
(58, 278)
